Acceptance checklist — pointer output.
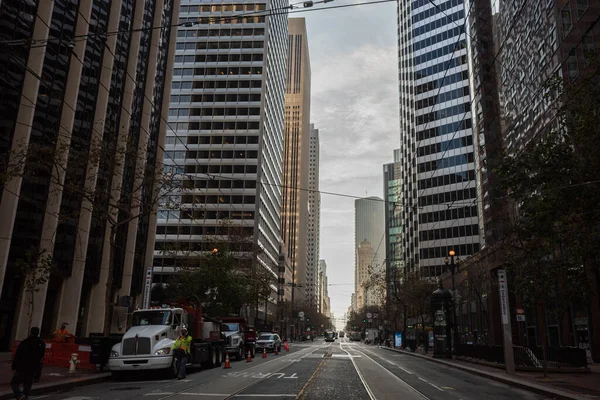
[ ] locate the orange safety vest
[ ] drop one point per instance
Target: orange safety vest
(61, 332)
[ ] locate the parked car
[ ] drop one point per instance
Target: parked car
(269, 341)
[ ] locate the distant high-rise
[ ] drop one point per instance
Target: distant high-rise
(79, 100)
(392, 187)
(369, 225)
(364, 268)
(314, 216)
(295, 196)
(227, 107)
(438, 172)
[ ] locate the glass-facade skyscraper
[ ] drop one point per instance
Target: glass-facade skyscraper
(438, 168)
(226, 110)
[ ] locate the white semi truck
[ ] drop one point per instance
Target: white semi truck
(147, 345)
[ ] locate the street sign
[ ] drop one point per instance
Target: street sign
(369, 315)
(370, 320)
(375, 315)
(301, 314)
(520, 318)
(147, 287)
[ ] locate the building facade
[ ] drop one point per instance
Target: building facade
(392, 187)
(96, 107)
(314, 217)
(368, 226)
(295, 197)
(438, 172)
(364, 269)
(226, 110)
(325, 306)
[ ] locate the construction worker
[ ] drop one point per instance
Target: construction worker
(62, 333)
(181, 349)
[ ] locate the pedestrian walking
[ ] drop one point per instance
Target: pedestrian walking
(26, 363)
(181, 349)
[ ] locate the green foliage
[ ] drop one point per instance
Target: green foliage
(553, 240)
(35, 269)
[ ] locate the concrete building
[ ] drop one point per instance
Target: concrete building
(438, 171)
(325, 306)
(392, 187)
(79, 99)
(227, 108)
(295, 197)
(369, 226)
(314, 217)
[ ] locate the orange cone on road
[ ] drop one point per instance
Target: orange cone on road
(264, 352)
(249, 359)
(227, 363)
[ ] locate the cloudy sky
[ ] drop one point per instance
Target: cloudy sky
(355, 107)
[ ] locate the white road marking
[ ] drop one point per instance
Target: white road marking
(390, 362)
(367, 388)
(437, 387)
(391, 373)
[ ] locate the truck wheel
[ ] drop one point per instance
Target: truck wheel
(214, 358)
(219, 352)
(240, 354)
(173, 370)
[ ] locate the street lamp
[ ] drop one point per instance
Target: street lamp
(451, 263)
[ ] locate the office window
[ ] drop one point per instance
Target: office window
(582, 6)
(567, 22)
(572, 67)
(588, 47)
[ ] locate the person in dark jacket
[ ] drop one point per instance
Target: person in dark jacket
(26, 363)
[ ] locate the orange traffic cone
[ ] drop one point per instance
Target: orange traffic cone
(276, 350)
(264, 352)
(227, 363)
(249, 359)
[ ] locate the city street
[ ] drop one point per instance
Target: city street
(313, 370)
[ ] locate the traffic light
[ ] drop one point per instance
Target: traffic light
(365, 321)
(307, 319)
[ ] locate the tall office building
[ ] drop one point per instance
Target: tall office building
(323, 288)
(295, 208)
(314, 216)
(364, 268)
(392, 187)
(227, 107)
(76, 99)
(369, 226)
(438, 172)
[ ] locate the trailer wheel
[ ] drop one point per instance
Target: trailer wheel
(219, 352)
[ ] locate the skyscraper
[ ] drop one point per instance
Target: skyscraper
(227, 107)
(364, 268)
(438, 176)
(369, 225)
(392, 187)
(314, 216)
(78, 99)
(295, 207)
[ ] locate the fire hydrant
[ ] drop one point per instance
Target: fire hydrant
(72, 364)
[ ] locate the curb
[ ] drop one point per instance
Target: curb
(55, 386)
(535, 388)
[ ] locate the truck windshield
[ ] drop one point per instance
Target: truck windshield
(231, 327)
(154, 317)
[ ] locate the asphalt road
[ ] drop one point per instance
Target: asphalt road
(314, 370)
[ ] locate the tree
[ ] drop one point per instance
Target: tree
(112, 177)
(553, 242)
(35, 268)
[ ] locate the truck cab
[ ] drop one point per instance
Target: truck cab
(147, 344)
(240, 338)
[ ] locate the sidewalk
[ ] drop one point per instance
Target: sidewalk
(558, 385)
(53, 378)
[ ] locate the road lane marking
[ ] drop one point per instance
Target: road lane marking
(437, 387)
(362, 379)
(390, 362)
(389, 372)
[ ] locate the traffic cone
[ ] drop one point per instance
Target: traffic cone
(227, 363)
(264, 352)
(249, 359)
(276, 350)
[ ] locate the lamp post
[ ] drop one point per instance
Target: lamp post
(451, 263)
